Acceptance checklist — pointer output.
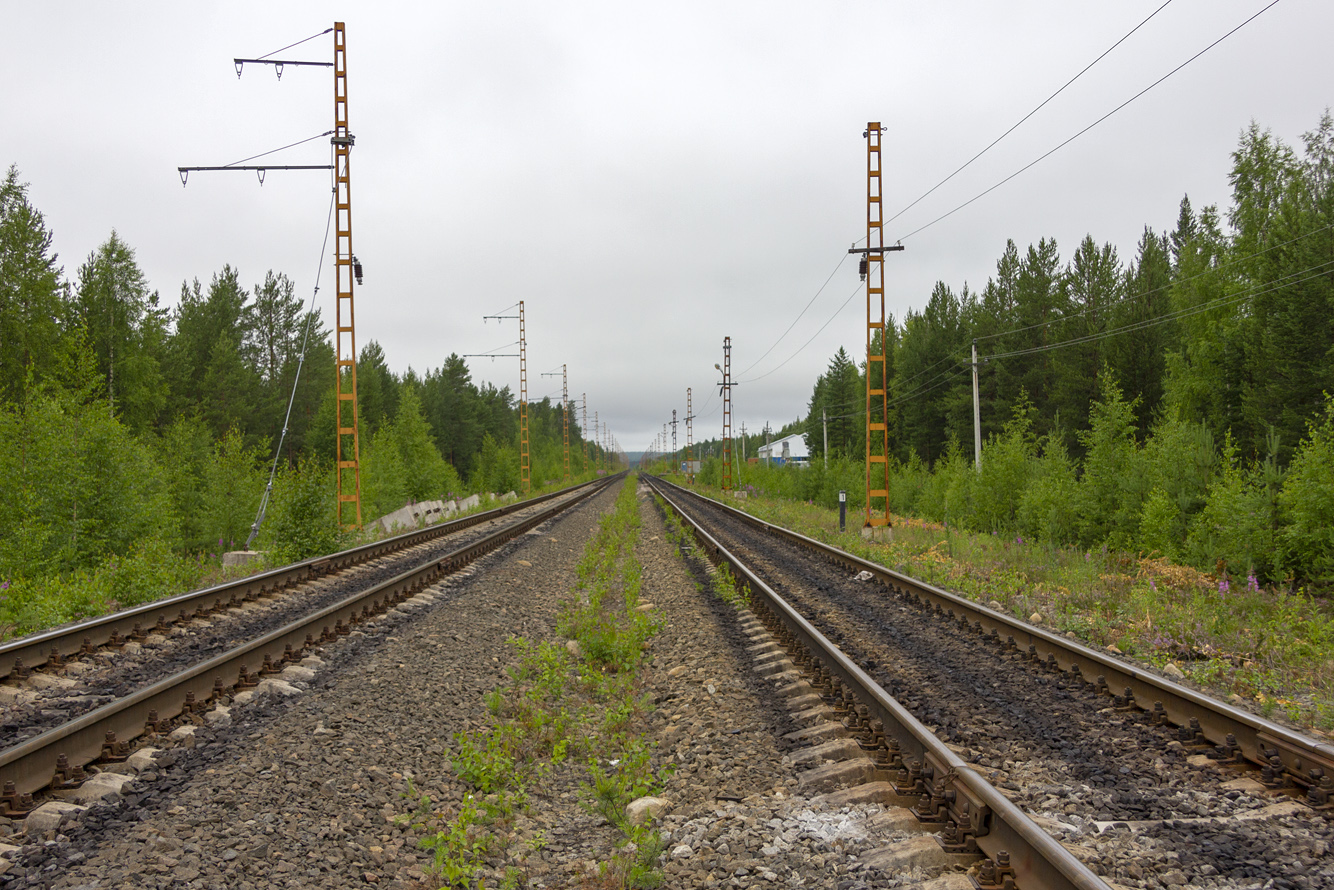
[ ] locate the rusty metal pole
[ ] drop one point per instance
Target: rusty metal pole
(348, 447)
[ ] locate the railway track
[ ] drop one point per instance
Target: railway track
(1008, 738)
(59, 757)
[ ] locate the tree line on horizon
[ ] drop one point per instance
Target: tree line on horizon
(1175, 404)
(130, 425)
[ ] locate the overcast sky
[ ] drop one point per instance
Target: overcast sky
(646, 178)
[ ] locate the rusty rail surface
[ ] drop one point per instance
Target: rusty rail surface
(49, 648)
(31, 765)
(981, 816)
(1287, 759)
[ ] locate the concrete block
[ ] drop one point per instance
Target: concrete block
(820, 732)
(890, 820)
(50, 681)
(142, 759)
(13, 695)
(877, 533)
(183, 736)
(469, 502)
(833, 776)
(50, 815)
(820, 713)
(953, 881)
(835, 750)
(774, 667)
(103, 786)
(802, 703)
(276, 686)
(916, 852)
(241, 557)
(795, 688)
(1246, 784)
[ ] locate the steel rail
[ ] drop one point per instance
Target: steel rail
(986, 815)
(38, 649)
(1286, 754)
(32, 764)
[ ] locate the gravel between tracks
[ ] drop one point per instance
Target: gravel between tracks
(1056, 749)
(49, 699)
(302, 791)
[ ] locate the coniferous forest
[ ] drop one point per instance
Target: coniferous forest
(139, 439)
(1175, 402)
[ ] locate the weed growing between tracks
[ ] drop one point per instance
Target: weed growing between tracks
(565, 705)
(1271, 647)
(723, 583)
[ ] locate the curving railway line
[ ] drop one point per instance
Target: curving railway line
(1018, 744)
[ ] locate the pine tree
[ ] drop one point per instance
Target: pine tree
(30, 291)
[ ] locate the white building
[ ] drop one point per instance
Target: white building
(789, 449)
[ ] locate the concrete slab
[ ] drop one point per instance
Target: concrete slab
(774, 667)
(818, 733)
(1246, 784)
(277, 687)
(101, 787)
(50, 681)
(295, 673)
(142, 759)
(13, 695)
(890, 820)
(234, 558)
(835, 750)
(821, 713)
(833, 776)
(796, 688)
(948, 882)
(183, 736)
(805, 702)
(916, 852)
(50, 815)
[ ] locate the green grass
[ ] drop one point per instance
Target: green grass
(562, 707)
(1268, 646)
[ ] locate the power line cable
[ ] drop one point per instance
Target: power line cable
(1315, 271)
(803, 346)
(298, 43)
(1051, 152)
(1149, 293)
(841, 260)
(276, 150)
(1040, 106)
(291, 400)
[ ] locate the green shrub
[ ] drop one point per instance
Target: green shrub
(1307, 500)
